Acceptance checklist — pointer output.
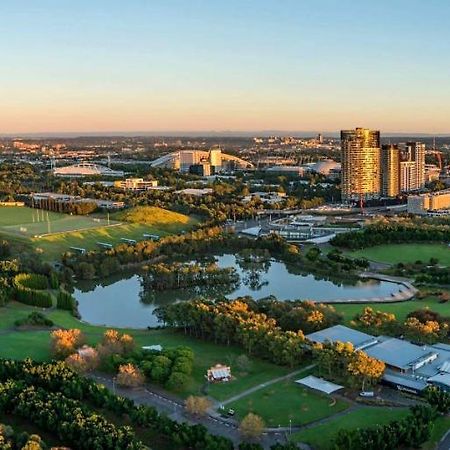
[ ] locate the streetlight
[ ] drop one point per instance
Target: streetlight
(290, 426)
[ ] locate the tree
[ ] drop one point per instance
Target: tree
(198, 406)
(65, 342)
(252, 426)
(34, 443)
(130, 376)
(438, 399)
(364, 368)
(177, 381)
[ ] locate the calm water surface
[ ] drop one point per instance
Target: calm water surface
(118, 302)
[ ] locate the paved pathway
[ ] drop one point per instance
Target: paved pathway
(444, 444)
(174, 409)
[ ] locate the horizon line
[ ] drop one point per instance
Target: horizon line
(207, 133)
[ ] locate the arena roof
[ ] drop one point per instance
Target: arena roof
(86, 169)
(343, 334)
(401, 354)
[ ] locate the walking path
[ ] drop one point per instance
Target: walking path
(444, 443)
(265, 384)
(174, 409)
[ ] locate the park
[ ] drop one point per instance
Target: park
(258, 386)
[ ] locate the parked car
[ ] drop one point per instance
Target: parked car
(367, 394)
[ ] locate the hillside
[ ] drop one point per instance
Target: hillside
(152, 215)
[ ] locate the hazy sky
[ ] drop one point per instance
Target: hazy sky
(107, 65)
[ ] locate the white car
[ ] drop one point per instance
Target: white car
(367, 394)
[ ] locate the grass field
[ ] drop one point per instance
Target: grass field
(285, 400)
(406, 253)
(321, 436)
(56, 235)
(400, 309)
(29, 222)
(36, 345)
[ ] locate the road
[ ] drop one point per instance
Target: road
(444, 444)
(174, 409)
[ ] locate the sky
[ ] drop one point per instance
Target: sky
(216, 65)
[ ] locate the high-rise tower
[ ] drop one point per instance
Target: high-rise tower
(390, 170)
(412, 167)
(361, 164)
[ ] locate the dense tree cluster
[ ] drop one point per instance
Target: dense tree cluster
(66, 301)
(73, 423)
(10, 439)
(170, 367)
(58, 378)
(233, 322)
(394, 231)
(29, 288)
(207, 242)
(295, 315)
(341, 362)
(421, 326)
(409, 432)
(160, 277)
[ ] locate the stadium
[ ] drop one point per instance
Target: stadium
(183, 160)
(86, 169)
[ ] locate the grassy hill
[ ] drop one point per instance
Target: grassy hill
(153, 216)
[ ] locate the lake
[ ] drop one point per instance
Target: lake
(120, 302)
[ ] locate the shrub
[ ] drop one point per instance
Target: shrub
(65, 301)
(34, 319)
(84, 360)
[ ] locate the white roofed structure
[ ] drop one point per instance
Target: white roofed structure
(86, 169)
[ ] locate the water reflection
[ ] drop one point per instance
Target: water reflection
(120, 300)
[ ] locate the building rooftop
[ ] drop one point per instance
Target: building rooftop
(401, 354)
(405, 381)
(341, 333)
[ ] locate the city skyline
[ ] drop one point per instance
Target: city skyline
(208, 66)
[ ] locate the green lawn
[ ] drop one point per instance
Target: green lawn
(400, 309)
(29, 222)
(36, 344)
(321, 436)
(406, 253)
(51, 234)
(441, 426)
(285, 400)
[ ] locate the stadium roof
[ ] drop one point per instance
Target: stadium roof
(86, 169)
(401, 354)
(343, 334)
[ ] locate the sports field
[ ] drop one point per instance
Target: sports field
(406, 253)
(54, 233)
(29, 222)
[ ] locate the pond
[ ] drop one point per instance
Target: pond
(120, 302)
